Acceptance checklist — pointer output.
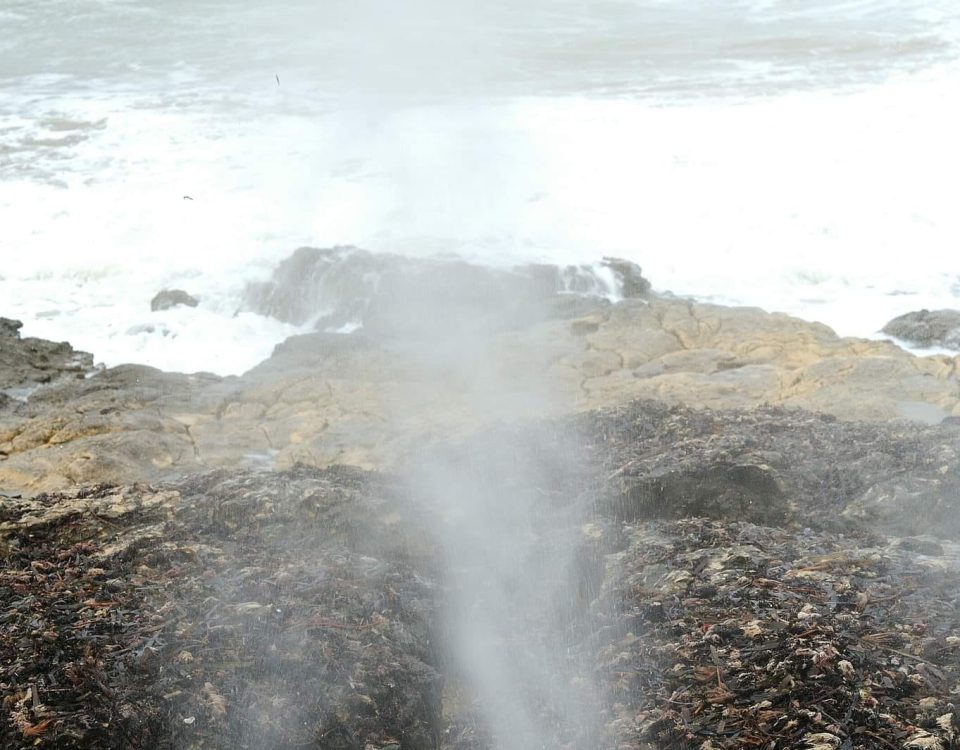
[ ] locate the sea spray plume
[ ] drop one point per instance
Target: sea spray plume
(504, 510)
(506, 507)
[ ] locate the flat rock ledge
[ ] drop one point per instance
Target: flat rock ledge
(727, 594)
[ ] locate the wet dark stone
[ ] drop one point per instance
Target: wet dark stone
(391, 295)
(927, 328)
(630, 275)
(10, 327)
(169, 298)
(921, 546)
(721, 491)
(27, 362)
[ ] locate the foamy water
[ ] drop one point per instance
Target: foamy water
(796, 156)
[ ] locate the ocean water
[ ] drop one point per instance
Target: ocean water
(797, 156)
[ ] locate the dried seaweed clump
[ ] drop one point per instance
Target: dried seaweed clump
(741, 636)
(237, 611)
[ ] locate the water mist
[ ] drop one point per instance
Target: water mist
(506, 507)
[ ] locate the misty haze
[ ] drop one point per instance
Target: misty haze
(479, 376)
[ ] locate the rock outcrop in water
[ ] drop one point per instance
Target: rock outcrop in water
(166, 299)
(392, 295)
(756, 526)
(26, 364)
(927, 328)
(364, 400)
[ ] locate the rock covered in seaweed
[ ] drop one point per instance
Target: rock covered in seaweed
(299, 609)
(392, 295)
(235, 610)
(732, 635)
(775, 466)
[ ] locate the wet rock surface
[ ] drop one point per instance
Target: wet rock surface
(26, 363)
(927, 328)
(166, 299)
(392, 295)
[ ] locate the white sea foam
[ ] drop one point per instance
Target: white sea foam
(801, 161)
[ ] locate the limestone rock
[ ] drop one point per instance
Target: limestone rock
(122, 422)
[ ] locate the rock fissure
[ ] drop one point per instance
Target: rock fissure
(193, 442)
(621, 362)
(266, 436)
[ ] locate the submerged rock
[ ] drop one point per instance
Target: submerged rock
(170, 298)
(927, 328)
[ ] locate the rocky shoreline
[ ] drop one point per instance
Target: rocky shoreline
(757, 517)
(367, 398)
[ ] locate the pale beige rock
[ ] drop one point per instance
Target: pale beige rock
(325, 399)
